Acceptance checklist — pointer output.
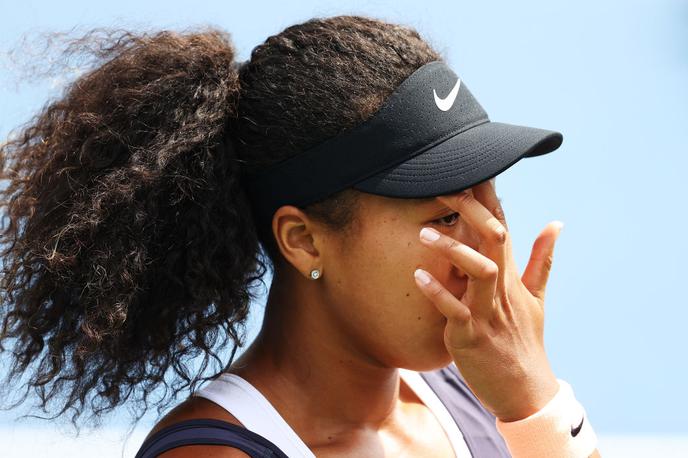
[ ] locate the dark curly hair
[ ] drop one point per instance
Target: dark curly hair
(128, 244)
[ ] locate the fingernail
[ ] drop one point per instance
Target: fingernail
(560, 225)
(422, 276)
(429, 234)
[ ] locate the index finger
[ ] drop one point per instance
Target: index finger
(486, 193)
(493, 235)
(488, 226)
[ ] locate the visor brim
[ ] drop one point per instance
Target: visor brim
(462, 161)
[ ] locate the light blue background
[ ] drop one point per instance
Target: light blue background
(611, 76)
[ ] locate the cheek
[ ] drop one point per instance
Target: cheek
(413, 326)
(389, 287)
(383, 264)
(378, 297)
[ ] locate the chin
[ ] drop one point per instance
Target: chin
(435, 358)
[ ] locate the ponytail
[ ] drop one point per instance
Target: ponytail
(130, 246)
(127, 243)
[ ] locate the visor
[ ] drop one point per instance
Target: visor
(430, 137)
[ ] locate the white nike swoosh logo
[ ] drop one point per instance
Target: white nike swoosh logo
(447, 102)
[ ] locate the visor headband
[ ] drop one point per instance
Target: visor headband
(427, 108)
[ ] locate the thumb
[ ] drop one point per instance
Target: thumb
(540, 264)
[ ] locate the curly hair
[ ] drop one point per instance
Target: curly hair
(128, 244)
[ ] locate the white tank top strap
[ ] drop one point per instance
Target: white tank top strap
(241, 399)
(254, 411)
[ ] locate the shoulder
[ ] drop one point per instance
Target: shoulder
(193, 408)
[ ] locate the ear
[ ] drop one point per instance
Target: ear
(298, 238)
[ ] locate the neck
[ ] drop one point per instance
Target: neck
(312, 372)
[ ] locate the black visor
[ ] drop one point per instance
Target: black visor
(430, 137)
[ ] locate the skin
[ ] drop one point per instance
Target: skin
(328, 354)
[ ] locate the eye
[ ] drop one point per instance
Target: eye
(453, 217)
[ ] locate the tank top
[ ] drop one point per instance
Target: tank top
(469, 426)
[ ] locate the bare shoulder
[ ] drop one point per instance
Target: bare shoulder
(191, 408)
(198, 407)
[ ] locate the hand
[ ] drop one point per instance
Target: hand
(494, 332)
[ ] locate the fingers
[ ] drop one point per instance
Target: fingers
(539, 265)
(482, 271)
(493, 235)
(487, 225)
(486, 193)
(449, 305)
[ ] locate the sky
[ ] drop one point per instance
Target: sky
(611, 76)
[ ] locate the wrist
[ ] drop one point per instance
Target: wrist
(560, 429)
(530, 397)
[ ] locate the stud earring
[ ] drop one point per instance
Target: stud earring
(315, 274)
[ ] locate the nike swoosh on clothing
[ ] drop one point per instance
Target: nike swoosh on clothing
(447, 102)
(577, 429)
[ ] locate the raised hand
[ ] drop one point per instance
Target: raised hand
(494, 332)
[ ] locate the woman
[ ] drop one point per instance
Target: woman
(140, 201)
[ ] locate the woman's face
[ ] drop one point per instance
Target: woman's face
(372, 287)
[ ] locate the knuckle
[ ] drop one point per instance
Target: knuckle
(453, 244)
(498, 234)
(488, 270)
(481, 339)
(460, 315)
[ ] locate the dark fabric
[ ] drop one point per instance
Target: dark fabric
(475, 422)
(208, 431)
(410, 147)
